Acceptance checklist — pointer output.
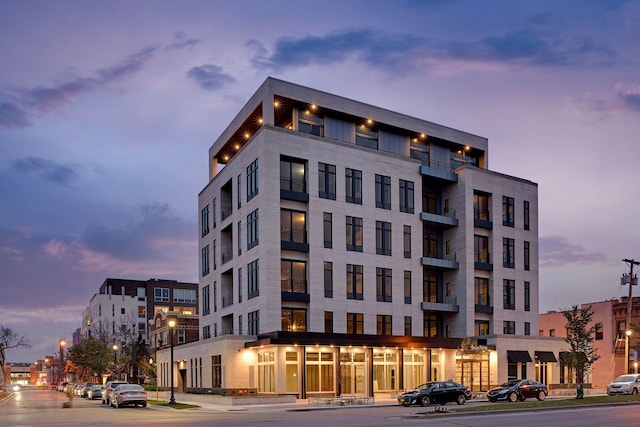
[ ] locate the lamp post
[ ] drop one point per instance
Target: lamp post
(171, 323)
(62, 343)
(627, 334)
(115, 358)
(632, 281)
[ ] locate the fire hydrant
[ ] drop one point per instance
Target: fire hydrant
(579, 392)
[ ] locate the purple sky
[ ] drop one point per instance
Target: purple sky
(107, 110)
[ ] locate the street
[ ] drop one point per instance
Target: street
(44, 408)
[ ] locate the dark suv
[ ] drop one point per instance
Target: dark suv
(436, 392)
(107, 391)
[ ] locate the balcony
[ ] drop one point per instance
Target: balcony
(225, 212)
(447, 262)
(227, 300)
(440, 171)
(443, 220)
(446, 305)
(227, 255)
(480, 308)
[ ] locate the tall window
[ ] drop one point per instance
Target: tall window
(383, 324)
(481, 206)
(354, 234)
(481, 291)
(252, 180)
(527, 328)
(327, 229)
(429, 288)
(239, 195)
(328, 322)
(293, 175)
(293, 276)
(353, 186)
(430, 244)
(527, 256)
(354, 282)
(481, 327)
(526, 215)
(355, 323)
(293, 226)
(206, 332)
(406, 196)
(206, 307)
(509, 327)
(215, 300)
(407, 286)
(508, 294)
(204, 221)
(383, 284)
(407, 326)
(328, 279)
(239, 238)
(508, 253)
(294, 319)
(215, 254)
(383, 238)
(407, 241)
(507, 211)
(366, 137)
(213, 211)
(383, 192)
(252, 230)
(527, 296)
(430, 324)
(309, 122)
(216, 371)
(239, 284)
(326, 181)
(205, 260)
(253, 288)
(253, 319)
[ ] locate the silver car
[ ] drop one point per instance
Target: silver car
(624, 384)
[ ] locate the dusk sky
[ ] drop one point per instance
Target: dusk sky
(108, 108)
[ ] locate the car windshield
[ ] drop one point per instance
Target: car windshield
(128, 387)
(423, 386)
(510, 383)
(625, 379)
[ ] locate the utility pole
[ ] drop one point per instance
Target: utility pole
(631, 264)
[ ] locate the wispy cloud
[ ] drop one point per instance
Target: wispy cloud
(46, 169)
(181, 42)
(629, 96)
(17, 109)
(210, 77)
(557, 251)
(532, 46)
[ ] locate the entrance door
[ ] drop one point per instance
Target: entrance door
(352, 373)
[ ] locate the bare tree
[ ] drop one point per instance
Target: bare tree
(9, 340)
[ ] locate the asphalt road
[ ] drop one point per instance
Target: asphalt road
(44, 408)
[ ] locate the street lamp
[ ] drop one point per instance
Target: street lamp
(115, 360)
(62, 343)
(171, 323)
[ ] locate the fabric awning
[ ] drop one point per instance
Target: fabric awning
(546, 356)
(515, 356)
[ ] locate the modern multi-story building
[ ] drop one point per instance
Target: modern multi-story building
(133, 303)
(348, 249)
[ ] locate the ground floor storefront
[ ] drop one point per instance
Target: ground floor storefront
(317, 365)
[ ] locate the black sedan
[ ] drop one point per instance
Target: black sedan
(436, 392)
(514, 390)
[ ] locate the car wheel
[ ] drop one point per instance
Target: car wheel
(425, 401)
(541, 395)
(493, 400)
(634, 391)
(116, 405)
(461, 399)
(144, 404)
(513, 396)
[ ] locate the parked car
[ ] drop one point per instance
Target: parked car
(77, 389)
(514, 390)
(95, 392)
(129, 394)
(436, 392)
(624, 384)
(61, 386)
(85, 389)
(108, 390)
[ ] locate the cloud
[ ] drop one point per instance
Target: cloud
(55, 248)
(557, 251)
(12, 116)
(210, 77)
(532, 46)
(46, 169)
(26, 102)
(629, 96)
(149, 239)
(182, 43)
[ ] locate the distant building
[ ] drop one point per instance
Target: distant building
(134, 303)
(609, 340)
(349, 249)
